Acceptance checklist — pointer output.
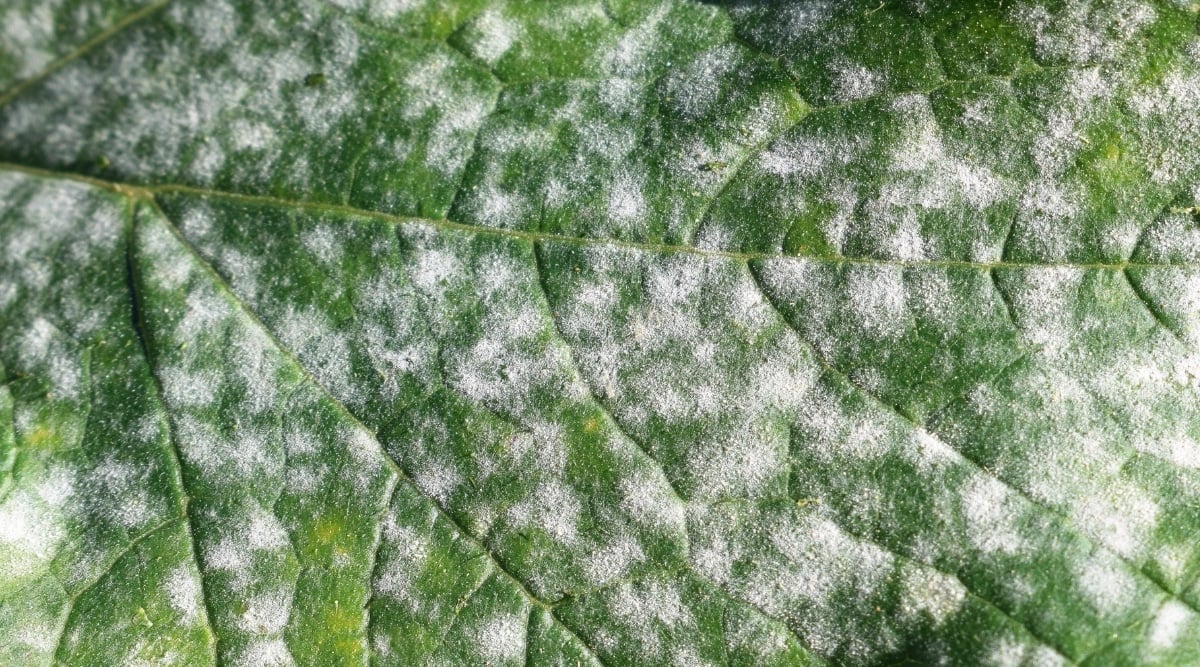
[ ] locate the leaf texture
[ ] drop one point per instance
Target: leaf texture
(634, 332)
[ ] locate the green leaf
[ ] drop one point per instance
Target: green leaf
(621, 332)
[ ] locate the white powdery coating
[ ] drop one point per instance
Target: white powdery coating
(437, 480)
(626, 203)
(878, 299)
(992, 515)
(494, 35)
(645, 608)
(265, 653)
(663, 359)
(649, 499)
(1178, 293)
(1044, 299)
(1085, 33)
(29, 36)
(1107, 584)
(950, 179)
(552, 507)
(1008, 652)
(404, 567)
(629, 56)
(247, 537)
(814, 560)
(44, 350)
(693, 90)
(68, 231)
(741, 463)
(266, 614)
(804, 157)
(30, 534)
(612, 561)
(457, 106)
(501, 638)
(188, 388)
(324, 350)
(926, 592)
(852, 81)
(121, 490)
(1123, 518)
(242, 458)
(252, 81)
(184, 593)
(324, 243)
(1169, 623)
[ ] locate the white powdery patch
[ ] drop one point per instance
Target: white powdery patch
(645, 608)
(830, 435)
(396, 343)
(813, 563)
(629, 56)
(695, 89)
(265, 653)
(1177, 292)
(437, 480)
(1182, 450)
(437, 269)
(244, 457)
(852, 81)
(992, 515)
(207, 311)
(929, 453)
(189, 388)
(30, 533)
(1169, 624)
(1044, 299)
(259, 364)
(742, 464)
(184, 593)
(878, 299)
(255, 82)
(554, 508)
(649, 499)
(458, 106)
(1123, 518)
(501, 638)
(947, 179)
(324, 243)
(411, 552)
(56, 487)
(29, 36)
(1107, 584)
(930, 593)
(69, 217)
(794, 23)
(494, 34)
(122, 491)
(245, 537)
(801, 158)
(1082, 34)
(310, 335)
(46, 352)
(215, 23)
(612, 561)
(1009, 652)
(267, 613)
(626, 203)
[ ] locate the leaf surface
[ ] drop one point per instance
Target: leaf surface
(646, 332)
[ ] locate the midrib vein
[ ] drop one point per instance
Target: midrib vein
(151, 192)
